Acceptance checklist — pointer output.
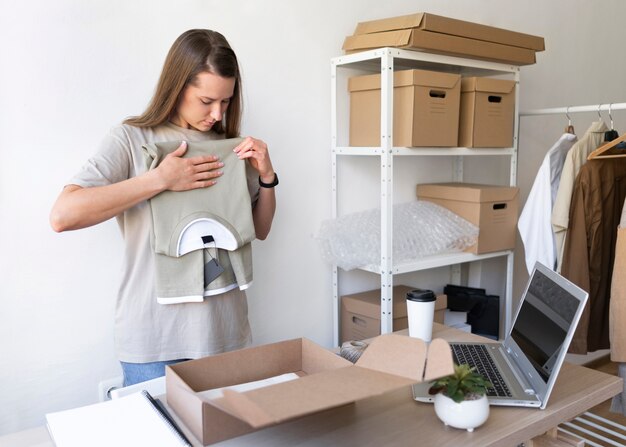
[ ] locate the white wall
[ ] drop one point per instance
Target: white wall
(71, 69)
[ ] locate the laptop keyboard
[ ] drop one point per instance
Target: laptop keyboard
(478, 357)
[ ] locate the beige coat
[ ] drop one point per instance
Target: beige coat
(617, 315)
(575, 159)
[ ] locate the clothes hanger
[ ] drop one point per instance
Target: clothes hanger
(569, 128)
(615, 145)
(611, 134)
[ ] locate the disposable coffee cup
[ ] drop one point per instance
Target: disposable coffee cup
(420, 306)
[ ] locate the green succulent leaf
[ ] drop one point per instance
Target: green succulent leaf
(464, 382)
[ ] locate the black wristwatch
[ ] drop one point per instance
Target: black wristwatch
(269, 185)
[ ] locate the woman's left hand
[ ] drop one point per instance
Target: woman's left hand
(257, 154)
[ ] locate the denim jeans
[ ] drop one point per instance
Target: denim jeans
(140, 372)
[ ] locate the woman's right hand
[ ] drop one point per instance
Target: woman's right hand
(182, 174)
(78, 207)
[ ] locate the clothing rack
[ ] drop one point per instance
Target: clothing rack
(574, 109)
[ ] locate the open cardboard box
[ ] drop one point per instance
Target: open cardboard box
(326, 381)
(432, 33)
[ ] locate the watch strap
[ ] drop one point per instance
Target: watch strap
(269, 185)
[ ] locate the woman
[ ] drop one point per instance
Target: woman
(198, 97)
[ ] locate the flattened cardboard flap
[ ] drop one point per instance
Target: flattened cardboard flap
(447, 25)
(439, 362)
(390, 24)
(309, 394)
(397, 354)
(398, 38)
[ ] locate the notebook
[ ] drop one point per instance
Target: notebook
(527, 363)
(133, 420)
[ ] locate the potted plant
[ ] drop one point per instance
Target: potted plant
(460, 398)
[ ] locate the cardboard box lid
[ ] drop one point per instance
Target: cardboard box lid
(398, 38)
(405, 78)
(368, 303)
(446, 25)
(467, 192)
(487, 85)
(390, 361)
(441, 43)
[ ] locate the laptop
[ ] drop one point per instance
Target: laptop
(524, 367)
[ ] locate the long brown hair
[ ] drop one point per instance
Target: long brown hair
(194, 52)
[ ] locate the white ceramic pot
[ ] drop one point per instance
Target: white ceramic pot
(468, 414)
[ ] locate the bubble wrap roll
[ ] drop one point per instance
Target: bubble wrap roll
(420, 228)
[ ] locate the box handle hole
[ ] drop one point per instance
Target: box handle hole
(358, 321)
(437, 94)
(499, 206)
(493, 98)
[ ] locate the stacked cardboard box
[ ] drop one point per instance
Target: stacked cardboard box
(425, 109)
(434, 109)
(493, 209)
(487, 112)
(444, 35)
(360, 313)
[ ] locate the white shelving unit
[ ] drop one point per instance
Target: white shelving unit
(385, 61)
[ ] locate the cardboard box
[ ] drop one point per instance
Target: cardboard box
(425, 109)
(446, 25)
(428, 42)
(390, 361)
(360, 313)
(437, 34)
(494, 209)
(487, 112)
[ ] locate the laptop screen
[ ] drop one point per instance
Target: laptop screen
(543, 322)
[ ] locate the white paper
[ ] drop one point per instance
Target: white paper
(242, 387)
(128, 421)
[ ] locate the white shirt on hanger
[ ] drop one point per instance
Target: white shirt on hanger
(534, 224)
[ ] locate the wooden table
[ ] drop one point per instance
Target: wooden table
(395, 419)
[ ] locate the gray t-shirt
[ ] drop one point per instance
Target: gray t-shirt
(146, 331)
